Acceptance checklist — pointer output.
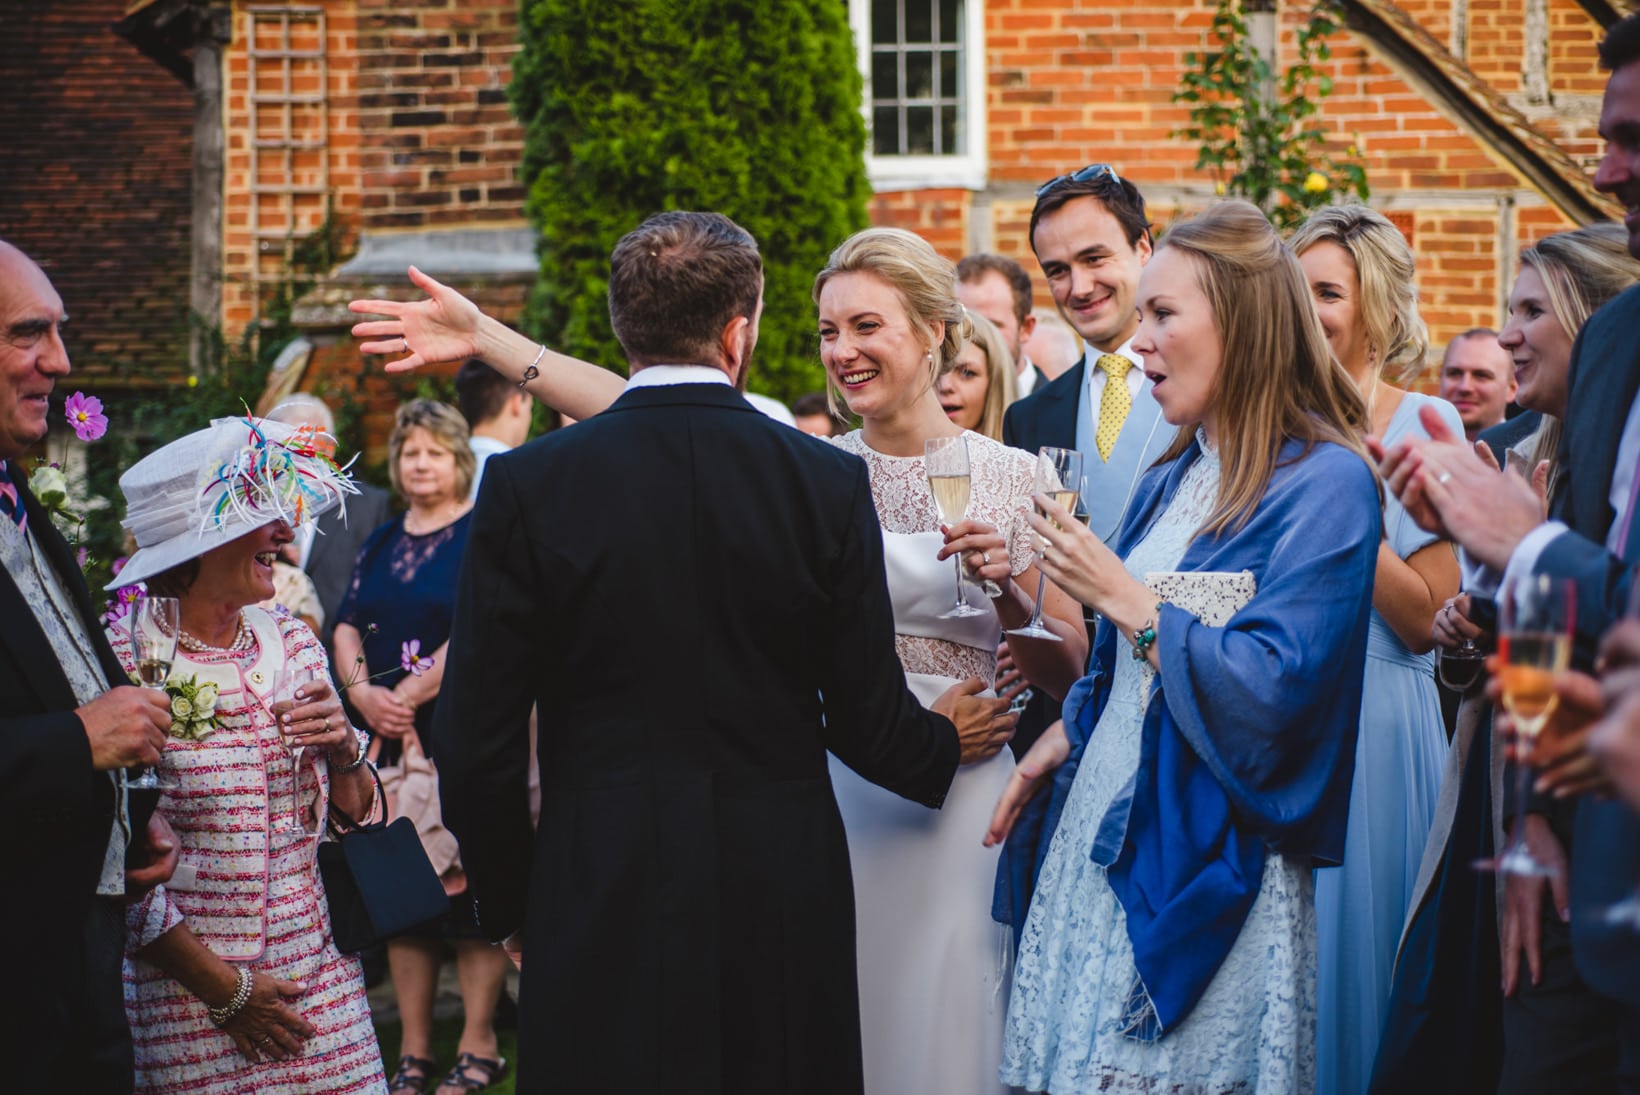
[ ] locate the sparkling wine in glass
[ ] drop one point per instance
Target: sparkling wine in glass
(155, 622)
(1534, 645)
(946, 459)
(1059, 476)
(287, 681)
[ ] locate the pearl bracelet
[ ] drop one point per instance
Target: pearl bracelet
(241, 996)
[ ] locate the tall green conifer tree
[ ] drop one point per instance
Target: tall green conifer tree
(750, 108)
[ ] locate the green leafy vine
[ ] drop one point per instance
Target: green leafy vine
(1258, 133)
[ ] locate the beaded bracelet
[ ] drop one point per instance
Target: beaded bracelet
(1145, 637)
(530, 371)
(362, 739)
(241, 997)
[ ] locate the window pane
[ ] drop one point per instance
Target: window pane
(950, 88)
(919, 131)
(885, 131)
(919, 20)
(919, 74)
(950, 132)
(950, 20)
(885, 77)
(883, 29)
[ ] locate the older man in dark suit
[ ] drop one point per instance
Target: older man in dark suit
(68, 728)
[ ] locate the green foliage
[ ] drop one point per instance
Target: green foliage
(750, 108)
(1260, 135)
(231, 377)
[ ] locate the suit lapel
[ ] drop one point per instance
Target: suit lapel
(1057, 412)
(1605, 379)
(61, 557)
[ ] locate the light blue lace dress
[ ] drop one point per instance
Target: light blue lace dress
(1254, 1027)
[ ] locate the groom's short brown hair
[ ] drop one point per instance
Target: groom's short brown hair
(676, 281)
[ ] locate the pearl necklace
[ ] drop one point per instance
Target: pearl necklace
(242, 640)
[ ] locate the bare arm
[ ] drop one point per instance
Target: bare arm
(265, 1026)
(446, 326)
(1408, 592)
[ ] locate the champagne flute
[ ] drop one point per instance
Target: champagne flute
(1535, 614)
(946, 460)
(1059, 476)
(287, 681)
(155, 622)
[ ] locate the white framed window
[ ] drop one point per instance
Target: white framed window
(924, 67)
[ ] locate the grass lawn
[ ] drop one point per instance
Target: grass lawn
(446, 1032)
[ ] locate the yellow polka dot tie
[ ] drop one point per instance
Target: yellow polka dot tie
(1114, 403)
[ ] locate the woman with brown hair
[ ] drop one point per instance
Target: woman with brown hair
(1202, 767)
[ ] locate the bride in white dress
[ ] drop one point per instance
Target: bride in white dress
(932, 963)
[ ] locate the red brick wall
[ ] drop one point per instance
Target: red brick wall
(440, 145)
(419, 132)
(1076, 81)
(95, 182)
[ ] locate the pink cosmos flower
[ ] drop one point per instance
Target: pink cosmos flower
(85, 415)
(412, 660)
(119, 605)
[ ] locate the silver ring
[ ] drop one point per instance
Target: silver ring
(986, 555)
(404, 344)
(1444, 478)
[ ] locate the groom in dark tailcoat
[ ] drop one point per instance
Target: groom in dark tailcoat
(694, 596)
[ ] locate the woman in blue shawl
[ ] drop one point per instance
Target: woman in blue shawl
(1201, 772)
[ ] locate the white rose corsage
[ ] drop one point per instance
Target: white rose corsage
(193, 708)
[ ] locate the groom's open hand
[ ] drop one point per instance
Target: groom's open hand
(983, 723)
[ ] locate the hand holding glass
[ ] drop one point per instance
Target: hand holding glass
(946, 460)
(287, 682)
(1534, 644)
(155, 622)
(1059, 476)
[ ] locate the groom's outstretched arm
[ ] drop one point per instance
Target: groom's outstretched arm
(873, 722)
(481, 729)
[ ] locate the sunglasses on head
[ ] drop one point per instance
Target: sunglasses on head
(1086, 174)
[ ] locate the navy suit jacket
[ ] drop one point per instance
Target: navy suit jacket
(1605, 856)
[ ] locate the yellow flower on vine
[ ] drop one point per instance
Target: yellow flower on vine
(1316, 183)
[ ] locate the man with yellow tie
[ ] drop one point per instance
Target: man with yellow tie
(1091, 235)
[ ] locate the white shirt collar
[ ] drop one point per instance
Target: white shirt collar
(656, 376)
(1093, 377)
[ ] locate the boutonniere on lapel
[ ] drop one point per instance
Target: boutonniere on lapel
(193, 707)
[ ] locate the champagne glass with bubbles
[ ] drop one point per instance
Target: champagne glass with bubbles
(946, 459)
(155, 622)
(1534, 645)
(1059, 476)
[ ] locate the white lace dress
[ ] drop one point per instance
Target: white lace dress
(1254, 1028)
(933, 965)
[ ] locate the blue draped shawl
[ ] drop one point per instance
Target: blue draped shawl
(1249, 736)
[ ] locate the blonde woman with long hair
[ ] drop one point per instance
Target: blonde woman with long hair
(932, 963)
(1202, 768)
(1361, 277)
(976, 391)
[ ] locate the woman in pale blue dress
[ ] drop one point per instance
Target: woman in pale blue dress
(1360, 272)
(1202, 767)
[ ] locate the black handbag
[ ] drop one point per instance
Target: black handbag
(378, 880)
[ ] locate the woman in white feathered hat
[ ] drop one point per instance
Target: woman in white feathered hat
(234, 982)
